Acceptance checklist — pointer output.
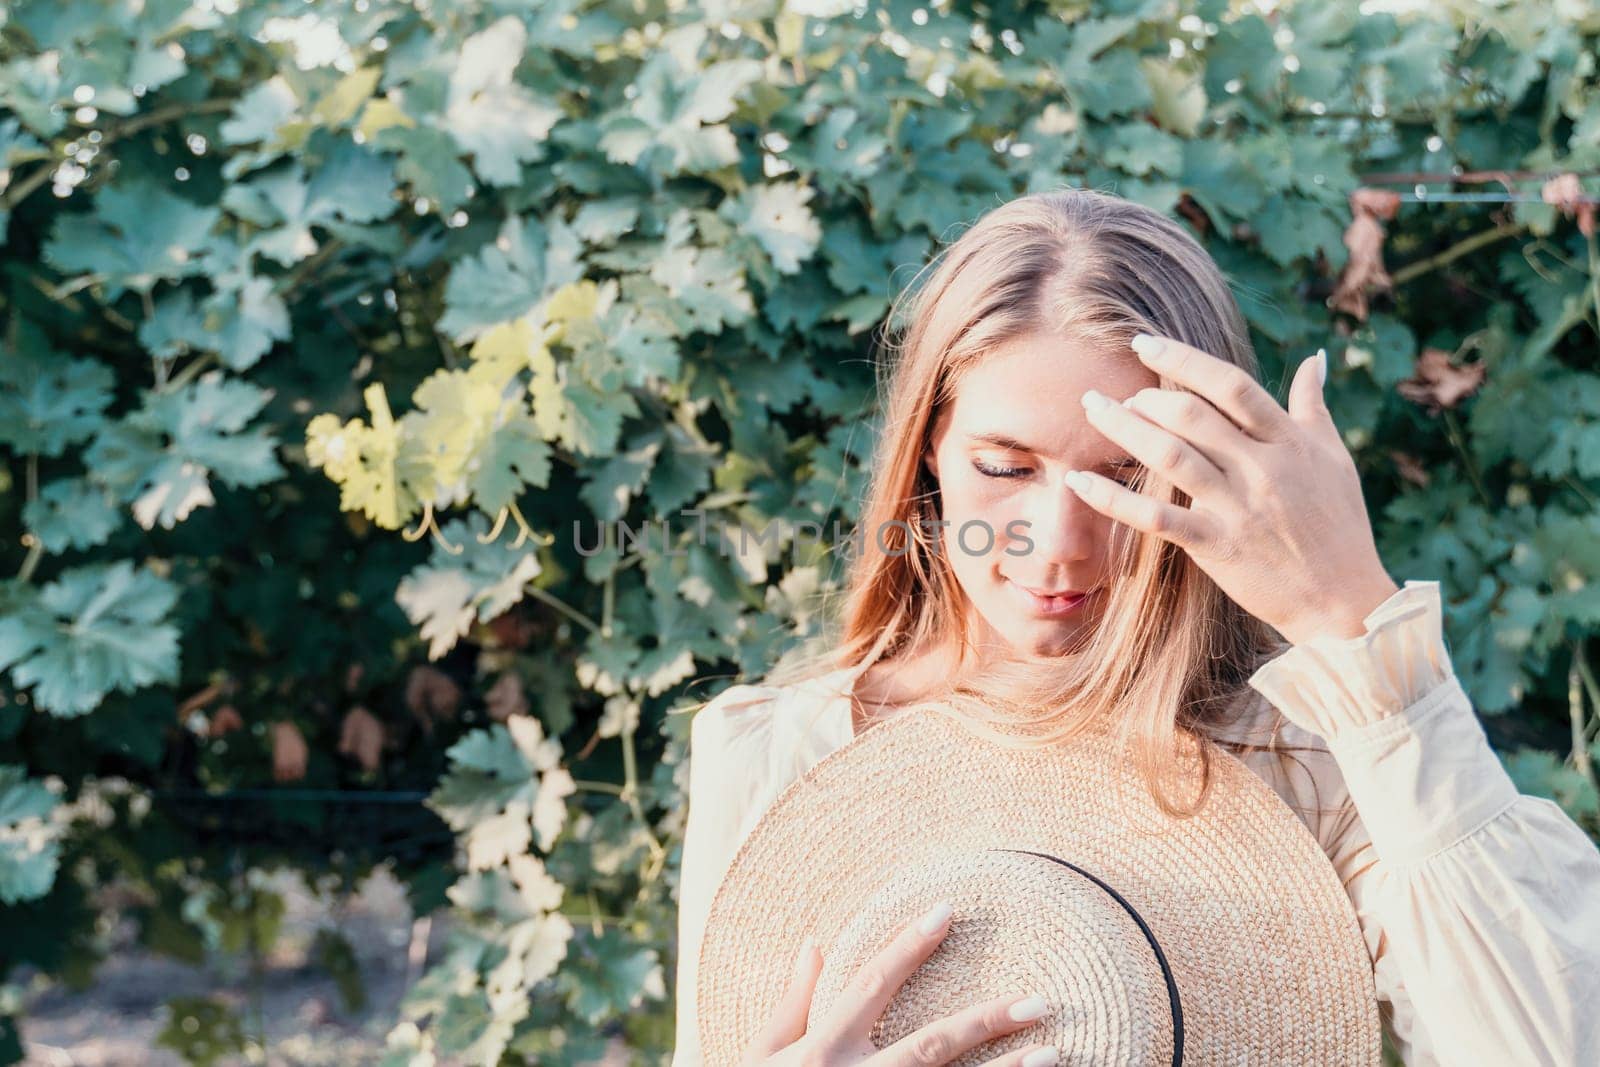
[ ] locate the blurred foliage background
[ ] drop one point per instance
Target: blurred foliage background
(331, 335)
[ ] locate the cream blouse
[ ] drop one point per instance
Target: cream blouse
(1480, 905)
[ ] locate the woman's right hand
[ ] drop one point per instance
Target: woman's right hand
(844, 1035)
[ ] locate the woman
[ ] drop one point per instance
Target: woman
(1086, 508)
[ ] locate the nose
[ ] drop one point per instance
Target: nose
(1061, 526)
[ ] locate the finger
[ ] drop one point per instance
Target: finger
(787, 1023)
(1164, 452)
(1307, 402)
(944, 1039)
(1193, 419)
(1182, 526)
(880, 978)
(1032, 1056)
(1231, 389)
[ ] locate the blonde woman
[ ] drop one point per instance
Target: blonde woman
(1084, 507)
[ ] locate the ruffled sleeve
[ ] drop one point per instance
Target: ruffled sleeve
(1480, 905)
(745, 746)
(710, 837)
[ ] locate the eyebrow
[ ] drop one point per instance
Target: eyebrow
(1001, 440)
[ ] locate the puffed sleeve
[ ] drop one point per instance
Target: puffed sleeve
(1480, 905)
(711, 835)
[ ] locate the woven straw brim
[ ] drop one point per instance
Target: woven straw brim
(1258, 932)
(1027, 923)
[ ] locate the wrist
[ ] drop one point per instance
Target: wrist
(1346, 616)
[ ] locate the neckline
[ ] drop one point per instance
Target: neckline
(843, 688)
(842, 683)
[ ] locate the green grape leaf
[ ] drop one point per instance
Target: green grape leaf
(47, 401)
(1543, 774)
(601, 222)
(1142, 149)
(610, 975)
(1241, 57)
(353, 183)
(96, 629)
(243, 324)
(72, 513)
(260, 113)
(138, 234)
(612, 485)
(1290, 228)
(447, 594)
(507, 278)
(161, 457)
(29, 846)
(1220, 180)
(501, 123)
(777, 216)
(706, 283)
(512, 457)
(430, 164)
(366, 461)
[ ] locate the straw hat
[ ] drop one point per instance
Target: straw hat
(1226, 938)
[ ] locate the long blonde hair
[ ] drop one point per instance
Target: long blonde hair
(1168, 661)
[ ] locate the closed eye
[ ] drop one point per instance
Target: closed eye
(998, 472)
(1131, 470)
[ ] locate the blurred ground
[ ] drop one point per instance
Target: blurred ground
(115, 1022)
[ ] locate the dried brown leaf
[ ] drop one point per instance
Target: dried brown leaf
(1566, 193)
(432, 696)
(506, 697)
(1438, 383)
(1364, 273)
(361, 737)
(289, 752)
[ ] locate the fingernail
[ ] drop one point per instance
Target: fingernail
(1028, 1008)
(1077, 481)
(1094, 400)
(1042, 1057)
(1147, 346)
(1322, 366)
(935, 917)
(803, 957)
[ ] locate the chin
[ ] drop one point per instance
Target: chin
(1042, 639)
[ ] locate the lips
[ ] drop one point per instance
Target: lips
(1046, 605)
(1063, 593)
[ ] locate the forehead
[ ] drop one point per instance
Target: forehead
(1030, 388)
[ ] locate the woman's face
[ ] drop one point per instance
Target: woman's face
(999, 453)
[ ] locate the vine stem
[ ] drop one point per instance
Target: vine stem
(23, 189)
(1594, 278)
(1588, 497)
(30, 562)
(292, 281)
(1575, 711)
(562, 606)
(1586, 673)
(1466, 457)
(596, 918)
(114, 130)
(630, 790)
(599, 787)
(1466, 246)
(188, 374)
(109, 133)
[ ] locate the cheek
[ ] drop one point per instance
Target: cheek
(983, 521)
(969, 496)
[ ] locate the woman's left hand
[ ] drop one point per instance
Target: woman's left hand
(1277, 517)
